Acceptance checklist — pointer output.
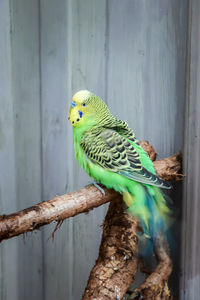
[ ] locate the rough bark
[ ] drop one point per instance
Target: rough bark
(56, 209)
(155, 287)
(116, 265)
(170, 168)
(149, 149)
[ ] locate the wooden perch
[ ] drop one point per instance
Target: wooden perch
(56, 209)
(62, 207)
(169, 168)
(116, 265)
(155, 286)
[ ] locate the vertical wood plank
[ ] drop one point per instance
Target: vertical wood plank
(146, 67)
(26, 98)
(8, 251)
(190, 281)
(57, 148)
(72, 50)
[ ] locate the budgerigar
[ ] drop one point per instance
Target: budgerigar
(108, 151)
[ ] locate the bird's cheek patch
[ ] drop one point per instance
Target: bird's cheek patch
(73, 104)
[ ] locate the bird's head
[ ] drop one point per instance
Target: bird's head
(86, 109)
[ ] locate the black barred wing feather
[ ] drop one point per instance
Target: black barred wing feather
(110, 150)
(122, 128)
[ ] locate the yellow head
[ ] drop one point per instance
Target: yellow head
(87, 110)
(79, 108)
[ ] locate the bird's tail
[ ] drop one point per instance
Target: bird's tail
(150, 206)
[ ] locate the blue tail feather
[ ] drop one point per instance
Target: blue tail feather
(152, 210)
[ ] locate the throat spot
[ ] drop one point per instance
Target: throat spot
(80, 113)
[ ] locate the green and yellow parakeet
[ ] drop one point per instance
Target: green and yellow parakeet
(108, 151)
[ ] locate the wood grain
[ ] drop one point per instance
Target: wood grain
(155, 285)
(57, 209)
(26, 107)
(190, 263)
(116, 266)
(56, 145)
(8, 197)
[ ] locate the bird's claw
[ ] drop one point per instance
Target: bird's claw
(99, 188)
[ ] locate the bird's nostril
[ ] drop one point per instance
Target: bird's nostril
(72, 122)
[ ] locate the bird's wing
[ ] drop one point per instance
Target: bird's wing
(111, 151)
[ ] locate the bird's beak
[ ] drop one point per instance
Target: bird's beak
(73, 116)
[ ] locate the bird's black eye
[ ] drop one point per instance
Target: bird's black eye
(78, 120)
(83, 104)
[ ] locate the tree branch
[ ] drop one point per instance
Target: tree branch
(116, 265)
(155, 286)
(62, 207)
(57, 209)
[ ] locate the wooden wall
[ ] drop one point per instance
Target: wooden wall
(190, 263)
(131, 53)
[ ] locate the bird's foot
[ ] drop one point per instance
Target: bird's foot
(96, 184)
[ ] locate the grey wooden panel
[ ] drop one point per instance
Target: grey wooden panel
(57, 148)
(131, 53)
(146, 76)
(70, 50)
(8, 251)
(190, 281)
(146, 67)
(26, 99)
